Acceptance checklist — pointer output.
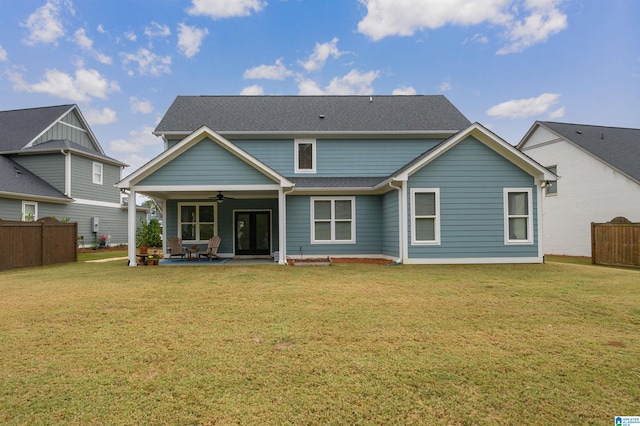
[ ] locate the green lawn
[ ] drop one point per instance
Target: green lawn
(101, 343)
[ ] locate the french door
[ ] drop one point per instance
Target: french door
(252, 232)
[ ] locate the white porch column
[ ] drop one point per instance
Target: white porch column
(131, 240)
(282, 226)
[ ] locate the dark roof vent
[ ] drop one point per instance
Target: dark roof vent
(578, 132)
(321, 116)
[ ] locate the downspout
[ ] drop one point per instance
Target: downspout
(400, 221)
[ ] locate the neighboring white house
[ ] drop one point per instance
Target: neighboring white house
(598, 172)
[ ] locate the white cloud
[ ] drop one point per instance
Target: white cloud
(137, 141)
(3, 54)
(225, 8)
(404, 91)
(308, 87)
(523, 108)
(81, 88)
(131, 36)
(101, 29)
(85, 43)
(477, 39)
(524, 27)
(140, 105)
(278, 71)
(148, 63)
(354, 83)
(544, 21)
(254, 90)
(445, 86)
(45, 24)
(559, 113)
(106, 116)
(157, 30)
(190, 39)
(321, 53)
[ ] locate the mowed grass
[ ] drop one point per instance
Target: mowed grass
(101, 343)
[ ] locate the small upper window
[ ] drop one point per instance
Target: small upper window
(305, 156)
(97, 173)
(552, 187)
(29, 211)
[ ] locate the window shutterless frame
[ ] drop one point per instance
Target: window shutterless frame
(304, 156)
(97, 172)
(197, 222)
(425, 216)
(333, 220)
(518, 216)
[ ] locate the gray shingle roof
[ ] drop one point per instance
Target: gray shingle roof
(19, 127)
(321, 114)
(18, 180)
(620, 147)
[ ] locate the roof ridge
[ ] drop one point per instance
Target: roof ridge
(589, 125)
(34, 108)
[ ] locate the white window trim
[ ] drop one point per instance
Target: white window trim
(93, 173)
(333, 221)
(215, 221)
(414, 240)
(35, 209)
(297, 143)
(529, 216)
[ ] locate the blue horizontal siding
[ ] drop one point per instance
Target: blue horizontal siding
(368, 228)
(471, 178)
(207, 163)
(390, 224)
(341, 157)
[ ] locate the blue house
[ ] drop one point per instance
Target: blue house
(407, 178)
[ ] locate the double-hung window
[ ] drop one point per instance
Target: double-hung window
(29, 211)
(196, 221)
(305, 156)
(97, 173)
(425, 216)
(333, 220)
(518, 216)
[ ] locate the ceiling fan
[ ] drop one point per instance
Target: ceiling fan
(220, 197)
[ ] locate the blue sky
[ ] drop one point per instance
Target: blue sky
(503, 63)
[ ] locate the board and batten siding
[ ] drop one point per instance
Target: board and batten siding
(471, 178)
(207, 163)
(368, 229)
(82, 186)
(49, 167)
(340, 157)
(74, 132)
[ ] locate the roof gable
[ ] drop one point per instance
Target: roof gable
(618, 147)
(312, 114)
(488, 138)
(197, 136)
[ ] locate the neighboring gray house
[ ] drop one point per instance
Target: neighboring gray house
(599, 179)
(407, 178)
(51, 164)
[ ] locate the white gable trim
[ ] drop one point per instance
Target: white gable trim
(202, 133)
(86, 129)
(492, 141)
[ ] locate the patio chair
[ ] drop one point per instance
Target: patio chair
(174, 245)
(212, 248)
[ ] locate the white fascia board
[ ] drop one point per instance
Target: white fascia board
(529, 133)
(208, 188)
(195, 137)
(97, 203)
(31, 197)
(492, 141)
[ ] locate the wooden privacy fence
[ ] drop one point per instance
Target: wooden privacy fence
(44, 242)
(616, 243)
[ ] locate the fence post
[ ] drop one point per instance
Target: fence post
(593, 243)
